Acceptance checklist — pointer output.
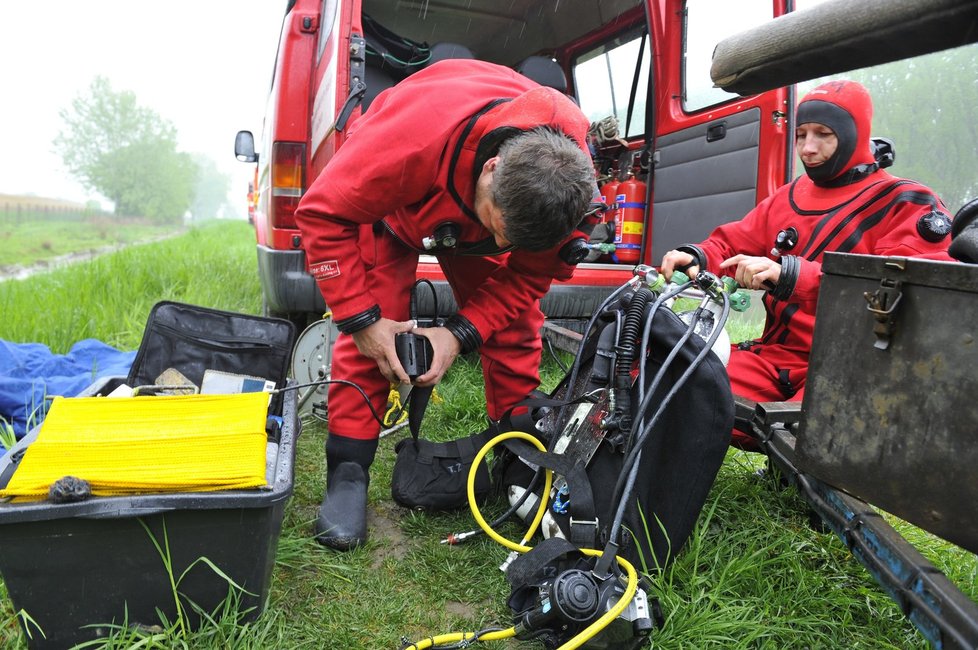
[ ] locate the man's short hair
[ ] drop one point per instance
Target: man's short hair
(543, 184)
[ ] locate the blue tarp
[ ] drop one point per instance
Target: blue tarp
(29, 372)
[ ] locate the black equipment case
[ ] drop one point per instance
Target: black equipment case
(891, 403)
(77, 569)
(193, 339)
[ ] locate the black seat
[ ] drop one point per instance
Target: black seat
(543, 70)
(442, 51)
(377, 80)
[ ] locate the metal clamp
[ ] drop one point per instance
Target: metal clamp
(882, 305)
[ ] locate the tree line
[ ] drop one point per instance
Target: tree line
(128, 153)
(926, 106)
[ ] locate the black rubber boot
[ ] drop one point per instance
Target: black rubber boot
(342, 520)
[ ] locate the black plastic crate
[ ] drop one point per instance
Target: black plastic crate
(77, 568)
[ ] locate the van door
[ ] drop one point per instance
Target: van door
(339, 69)
(704, 156)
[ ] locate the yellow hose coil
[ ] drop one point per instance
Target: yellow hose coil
(582, 637)
(175, 443)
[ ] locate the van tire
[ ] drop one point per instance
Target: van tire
(300, 320)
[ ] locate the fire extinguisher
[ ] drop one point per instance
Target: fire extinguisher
(631, 205)
(609, 193)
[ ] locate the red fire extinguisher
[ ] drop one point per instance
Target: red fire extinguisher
(631, 205)
(609, 194)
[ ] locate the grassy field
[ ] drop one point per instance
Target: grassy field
(37, 231)
(754, 575)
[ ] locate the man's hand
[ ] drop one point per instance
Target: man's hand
(754, 272)
(377, 342)
(445, 347)
(678, 260)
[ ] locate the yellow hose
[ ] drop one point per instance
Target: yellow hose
(632, 584)
(455, 637)
(584, 635)
(474, 506)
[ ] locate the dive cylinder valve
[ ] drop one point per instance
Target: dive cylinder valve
(711, 307)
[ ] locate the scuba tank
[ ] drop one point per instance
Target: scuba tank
(712, 307)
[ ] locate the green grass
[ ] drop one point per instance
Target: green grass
(37, 238)
(110, 297)
(753, 575)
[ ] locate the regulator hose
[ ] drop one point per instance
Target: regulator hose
(463, 639)
(460, 637)
(632, 576)
(630, 464)
(626, 356)
(474, 504)
(578, 358)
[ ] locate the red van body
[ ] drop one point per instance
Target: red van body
(684, 158)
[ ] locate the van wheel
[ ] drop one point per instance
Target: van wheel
(300, 320)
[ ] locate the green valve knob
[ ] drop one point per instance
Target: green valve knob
(678, 277)
(740, 300)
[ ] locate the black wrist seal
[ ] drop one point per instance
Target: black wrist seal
(699, 257)
(361, 321)
(466, 333)
(790, 268)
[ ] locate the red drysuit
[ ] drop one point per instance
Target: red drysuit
(409, 165)
(869, 212)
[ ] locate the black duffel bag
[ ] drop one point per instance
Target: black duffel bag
(433, 475)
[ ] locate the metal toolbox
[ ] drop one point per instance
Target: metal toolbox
(890, 410)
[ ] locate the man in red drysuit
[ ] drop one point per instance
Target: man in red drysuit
(844, 202)
(480, 166)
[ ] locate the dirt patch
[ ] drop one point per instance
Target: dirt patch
(384, 524)
(467, 611)
(21, 272)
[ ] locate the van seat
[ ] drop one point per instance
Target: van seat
(377, 80)
(442, 51)
(543, 70)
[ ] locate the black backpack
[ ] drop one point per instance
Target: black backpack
(681, 452)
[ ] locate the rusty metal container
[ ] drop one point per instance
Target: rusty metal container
(890, 412)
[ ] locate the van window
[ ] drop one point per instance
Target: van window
(603, 80)
(707, 22)
(327, 18)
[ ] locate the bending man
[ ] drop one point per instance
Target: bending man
(464, 147)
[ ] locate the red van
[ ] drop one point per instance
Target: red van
(674, 155)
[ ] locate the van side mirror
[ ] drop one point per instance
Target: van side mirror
(244, 147)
